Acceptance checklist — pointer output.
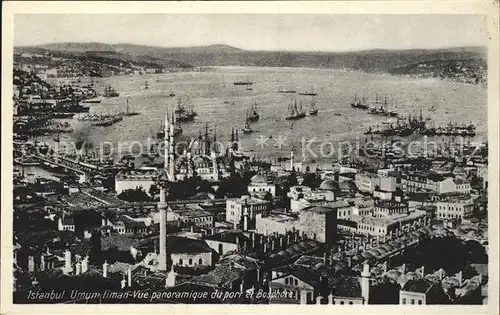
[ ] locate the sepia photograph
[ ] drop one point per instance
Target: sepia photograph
(207, 158)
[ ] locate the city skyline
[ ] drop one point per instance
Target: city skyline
(282, 32)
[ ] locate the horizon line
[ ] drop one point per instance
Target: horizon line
(253, 50)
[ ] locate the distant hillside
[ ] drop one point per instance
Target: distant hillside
(223, 55)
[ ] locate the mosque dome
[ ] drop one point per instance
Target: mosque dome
(259, 179)
(329, 185)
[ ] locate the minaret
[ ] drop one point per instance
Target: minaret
(291, 160)
(171, 144)
(166, 141)
(365, 283)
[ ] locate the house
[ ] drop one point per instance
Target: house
(66, 224)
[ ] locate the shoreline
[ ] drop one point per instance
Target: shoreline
(384, 74)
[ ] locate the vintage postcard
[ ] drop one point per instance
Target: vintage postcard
(187, 157)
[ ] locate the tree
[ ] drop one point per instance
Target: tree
(134, 195)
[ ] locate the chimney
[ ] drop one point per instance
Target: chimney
(85, 264)
(192, 228)
(242, 286)
(245, 222)
(281, 241)
(325, 258)
(42, 262)
(252, 236)
(318, 299)
(403, 269)
(170, 280)
(67, 262)
(105, 269)
(422, 272)
(303, 297)
(265, 247)
(288, 239)
(330, 299)
(459, 277)
(273, 244)
(78, 268)
(129, 276)
(384, 266)
(31, 263)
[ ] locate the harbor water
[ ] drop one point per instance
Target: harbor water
(223, 105)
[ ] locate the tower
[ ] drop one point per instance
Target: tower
(365, 283)
(162, 257)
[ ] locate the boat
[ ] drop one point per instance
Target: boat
(177, 130)
(358, 103)
(337, 114)
(62, 115)
(157, 79)
(91, 101)
(110, 92)
(103, 122)
(254, 115)
(313, 111)
(242, 83)
(295, 112)
(308, 93)
(129, 113)
(287, 91)
(185, 114)
(171, 94)
(247, 129)
(249, 89)
(146, 85)
(180, 107)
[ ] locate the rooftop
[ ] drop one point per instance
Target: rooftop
(189, 210)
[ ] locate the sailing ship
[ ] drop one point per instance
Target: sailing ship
(129, 113)
(254, 115)
(247, 129)
(185, 114)
(295, 112)
(110, 92)
(314, 110)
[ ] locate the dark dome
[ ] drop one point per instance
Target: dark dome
(329, 185)
(259, 179)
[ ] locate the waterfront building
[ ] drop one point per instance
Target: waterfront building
(459, 207)
(245, 209)
(433, 182)
(383, 225)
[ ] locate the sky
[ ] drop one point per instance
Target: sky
(292, 32)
